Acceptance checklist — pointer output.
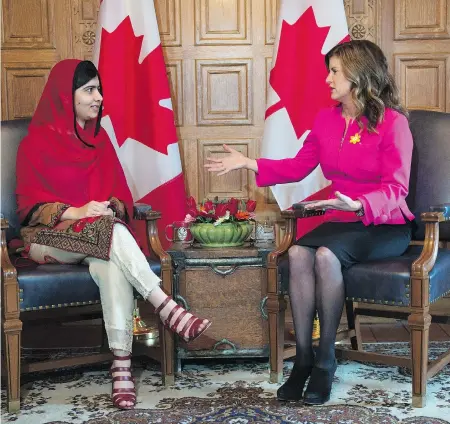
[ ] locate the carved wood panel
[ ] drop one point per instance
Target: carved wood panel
(415, 36)
(224, 90)
(175, 75)
(422, 19)
(235, 184)
(272, 7)
(362, 19)
(420, 81)
(20, 31)
(84, 26)
(169, 21)
(24, 87)
(219, 22)
(35, 35)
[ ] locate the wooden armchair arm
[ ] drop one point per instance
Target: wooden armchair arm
(10, 285)
(288, 239)
(422, 266)
(143, 212)
(291, 217)
(425, 262)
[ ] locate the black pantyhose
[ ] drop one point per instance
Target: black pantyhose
(315, 283)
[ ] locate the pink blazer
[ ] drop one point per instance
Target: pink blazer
(374, 170)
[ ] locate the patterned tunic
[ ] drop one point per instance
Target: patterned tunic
(90, 236)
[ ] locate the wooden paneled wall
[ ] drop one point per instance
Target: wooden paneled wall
(218, 56)
(416, 38)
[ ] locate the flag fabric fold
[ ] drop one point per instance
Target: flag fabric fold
(138, 114)
(306, 31)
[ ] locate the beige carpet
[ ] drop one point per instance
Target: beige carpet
(233, 393)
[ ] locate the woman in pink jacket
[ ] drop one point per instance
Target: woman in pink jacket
(364, 147)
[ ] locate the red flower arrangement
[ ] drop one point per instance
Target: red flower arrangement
(216, 212)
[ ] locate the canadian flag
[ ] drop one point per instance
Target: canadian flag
(138, 114)
(306, 31)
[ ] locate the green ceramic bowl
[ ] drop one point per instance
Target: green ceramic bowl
(228, 234)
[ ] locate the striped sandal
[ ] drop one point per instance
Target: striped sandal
(192, 329)
(123, 394)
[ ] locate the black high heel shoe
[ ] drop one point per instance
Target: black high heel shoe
(319, 386)
(292, 390)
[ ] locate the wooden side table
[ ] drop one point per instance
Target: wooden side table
(228, 286)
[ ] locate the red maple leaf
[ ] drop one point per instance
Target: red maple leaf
(132, 91)
(299, 74)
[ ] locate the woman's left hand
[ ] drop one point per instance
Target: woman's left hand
(341, 203)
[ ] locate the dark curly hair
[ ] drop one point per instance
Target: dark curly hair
(373, 87)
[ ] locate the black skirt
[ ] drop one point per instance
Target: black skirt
(353, 242)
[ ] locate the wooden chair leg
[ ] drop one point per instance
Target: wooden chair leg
(167, 337)
(419, 322)
(13, 331)
(276, 306)
(167, 346)
(354, 326)
(105, 345)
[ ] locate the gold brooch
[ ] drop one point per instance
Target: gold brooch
(355, 138)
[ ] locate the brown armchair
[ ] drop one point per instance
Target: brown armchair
(401, 287)
(58, 292)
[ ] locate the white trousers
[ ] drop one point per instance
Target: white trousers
(127, 268)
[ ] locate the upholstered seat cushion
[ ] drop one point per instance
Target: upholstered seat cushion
(385, 281)
(52, 286)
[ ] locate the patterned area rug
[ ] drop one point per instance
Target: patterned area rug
(234, 393)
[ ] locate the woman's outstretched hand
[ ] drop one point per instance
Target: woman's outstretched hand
(234, 160)
(341, 203)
